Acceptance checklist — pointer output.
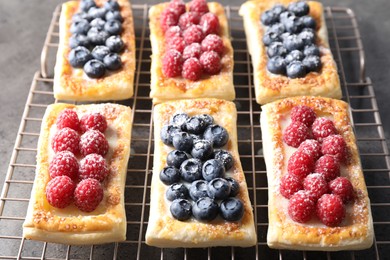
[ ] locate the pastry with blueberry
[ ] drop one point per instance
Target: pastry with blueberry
(199, 196)
(96, 53)
(290, 51)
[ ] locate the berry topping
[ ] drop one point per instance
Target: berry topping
(114, 15)
(212, 169)
(308, 36)
(167, 132)
(323, 127)
(211, 62)
(199, 6)
(64, 163)
(178, 7)
(59, 191)
(198, 189)
(176, 43)
(181, 209)
(93, 141)
(301, 206)
(94, 69)
(308, 22)
(295, 134)
(293, 42)
(328, 166)
(336, 146)
(173, 31)
(202, 149)
(316, 185)
(78, 40)
(270, 37)
(276, 49)
(66, 139)
(276, 65)
(187, 19)
(111, 5)
(300, 164)
(293, 24)
(112, 61)
(311, 50)
(176, 191)
(299, 8)
(303, 114)
(170, 175)
(100, 51)
(81, 15)
(175, 158)
(192, 69)
(217, 135)
(289, 185)
(80, 26)
(312, 63)
(278, 9)
(209, 23)
(93, 166)
(234, 186)
(277, 28)
(94, 121)
(330, 210)
(86, 5)
(294, 55)
(192, 51)
(218, 188)
(79, 56)
(192, 34)
(96, 12)
(182, 141)
(232, 209)
(97, 36)
(98, 22)
(342, 187)
(68, 118)
(225, 157)
(191, 170)
(179, 120)
(213, 42)
(167, 19)
(205, 209)
(296, 69)
(172, 63)
(207, 119)
(88, 195)
(269, 17)
(195, 125)
(311, 147)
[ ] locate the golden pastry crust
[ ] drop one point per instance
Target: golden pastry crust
(165, 231)
(215, 86)
(72, 83)
(356, 231)
(270, 87)
(71, 226)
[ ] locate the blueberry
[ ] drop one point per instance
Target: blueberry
(293, 24)
(113, 27)
(78, 40)
(202, 149)
(181, 209)
(111, 5)
(100, 51)
(176, 158)
(80, 16)
(94, 69)
(81, 26)
(191, 170)
(195, 125)
(296, 69)
(293, 42)
(312, 63)
(270, 37)
(217, 135)
(234, 186)
(182, 141)
(112, 61)
(308, 36)
(299, 8)
(218, 188)
(294, 55)
(276, 65)
(97, 36)
(85, 5)
(208, 120)
(114, 15)
(283, 36)
(269, 17)
(276, 49)
(232, 209)
(196, 137)
(96, 12)
(167, 132)
(278, 9)
(198, 189)
(98, 23)
(115, 43)
(308, 22)
(277, 28)
(311, 50)
(169, 175)
(176, 191)
(225, 157)
(79, 56)
(179, 120)
(205, 209)
(212, 169)
(285, 15)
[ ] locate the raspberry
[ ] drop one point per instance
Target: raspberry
(66, 139)
(212, 42)
(173, 31)
(211, 62)
(93, 166)
(301, 206)
(209, 23)
(323, 127)
(336, 146)
(88, 194)
(59, 191)
(342, 187)
(330, 210)
(167, 19)
(193, 34)
(93, 141)
(311, 147)
(95, 121)
(176, 43)
(187, 19)
(300, 164)
(328, 166)
(303, 114)
(192, 50)
(68, 118)
(64, 163)
(295, 134)
(192, 69)
(172, 63)
(315, 184)
(199, 6)
(178, 7)
(290, 184)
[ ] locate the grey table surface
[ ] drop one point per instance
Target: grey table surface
(24, 23)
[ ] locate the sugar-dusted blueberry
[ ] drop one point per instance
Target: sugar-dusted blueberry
(113, 27)
(276, 49)
(294, 55)
(85, 5)
(234, 186)
(179, 120)
(212, 169)
(169, 175)
(208, 120)
(277, 28)
(112, 61)
(98, 22)
(312, 63)
(176, 158)
(218, 188)
(196, 137)
(81, 15)
(111, 5)
(232, 209)
(225, 157)
(293, 42)
(191, 170)
(181, 209)
(99, 52)
(283, 36)
(97, 36)
(167, 132)
(299, 8)
(217, 135)
(78, 40)
(276, 65)
(81, 26)
(308, 22)
(270, 37)
(311, 50)
(94, 69)
(278, 9)
(308, 36)
(97, 12)
(195, 125)
(202, 149)
(293, 24)
(115, 43)
(198, 189)
(79, 56)
(205, 209)
(285, 15)
(296, 69)
(182, 141)
(114, 15)
(269, 17)
(176, 191)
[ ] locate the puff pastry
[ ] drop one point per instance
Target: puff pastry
(72, 83)
(270, 87)
(215, 86)
(356, 230)
(69, 225)
(165, 231)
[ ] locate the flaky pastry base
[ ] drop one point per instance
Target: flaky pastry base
(270, 87)
(214, 86)
(356, 231)
(105, 224)
(165, 231)
(73, 84)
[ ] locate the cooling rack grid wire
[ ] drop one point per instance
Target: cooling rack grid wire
(358, 90)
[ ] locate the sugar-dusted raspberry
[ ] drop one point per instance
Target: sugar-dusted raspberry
(295, 133)
(199, 6)
(213, 42)
(323, 127)
(193, 34)
(330, 210)
(95, 121)
(93, 141)
(192, 69)
(311, 147)
(59, 191)
(289, 185)
(187, 19)
(176, 43)
(343, 187)
(88, 194)
(172, 63)
(167, 19)
(66, 139)
(178, 7)
(211, 62)
(336, 146)
(64, 163)
(209, 23)
(300, 164)
(328, 166)
(315, 184)
(192, 51)
(301, 206)
(93, 166)
(303, 114)
(68, 118)
(172, 32)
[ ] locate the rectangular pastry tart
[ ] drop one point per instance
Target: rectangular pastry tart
(290, 52)
(192, 56)
(199, 196)
(78, 192)
(96, 53)
(317, 197)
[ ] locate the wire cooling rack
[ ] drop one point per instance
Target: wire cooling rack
(358, 90)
